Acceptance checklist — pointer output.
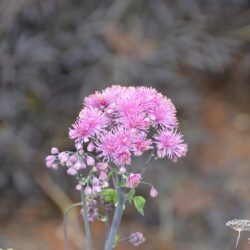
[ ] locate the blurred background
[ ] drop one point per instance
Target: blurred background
(53, 53)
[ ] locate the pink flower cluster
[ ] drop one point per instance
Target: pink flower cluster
(114, 126)
(118, 121)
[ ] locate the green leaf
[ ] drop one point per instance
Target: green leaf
(115, 198)
(131, 195)
(139, 203)
(111, 173)
(109, 194)
(116, 241)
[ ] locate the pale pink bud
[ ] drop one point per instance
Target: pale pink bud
(78, 146)
(96, 189)
(105, 184)
(153, 192)
(55, 166)
(79, 187)
(71, 171)
(69, 164)
(88, 190)
(95, 181)
(54, 151)
(77, 165)
(90, 161)
(49, 163)
(50, 158)
(122, 170)
(91, 147)
(63, 157)
(73, 159)
(102, 166)
(83, 165)
(81, 151)
(103, 176)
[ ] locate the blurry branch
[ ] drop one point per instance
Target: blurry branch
(242, 33)
(52, 190)
(62, 201)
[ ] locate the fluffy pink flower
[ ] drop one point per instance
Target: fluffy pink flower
(164, 113)
(96, 100)
(117, 146)
(133, 180)
(131, 113)
(89, 123)
(107, 146)
(122, 158)
(170, 143)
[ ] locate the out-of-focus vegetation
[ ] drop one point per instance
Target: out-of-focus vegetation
(55, 52)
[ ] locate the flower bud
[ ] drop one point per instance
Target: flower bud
(78, 146)
(69, 164)
(103, 176)
(78, 165)
(54, 151)
(153, 192)
(63, 157)
(122, 170)
(50, 158)
(102, 166)
(136, 239)
(55, 166)
(71, 171)
(81, 151)
(96, 189)
(49, 163)
(73, 159)
(95, 181)
(91, 147)
(90, 161)
(79, 187)
(88, 190)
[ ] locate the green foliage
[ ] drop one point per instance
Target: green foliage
(116, 241)
(139, 203)
(131, 195)
(109, 194)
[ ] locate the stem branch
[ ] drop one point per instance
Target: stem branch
(116, 220)
(66, 214)
(86, 221)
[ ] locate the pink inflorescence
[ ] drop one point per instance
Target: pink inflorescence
(119, 123)
(114, 126)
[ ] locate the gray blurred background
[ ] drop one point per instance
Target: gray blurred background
(53, 53)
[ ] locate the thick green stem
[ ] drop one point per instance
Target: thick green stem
(116, 220)
(86, 221)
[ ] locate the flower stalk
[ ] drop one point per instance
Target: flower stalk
(86, 221)
(116, 220)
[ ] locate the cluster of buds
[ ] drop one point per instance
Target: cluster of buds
(136, 239)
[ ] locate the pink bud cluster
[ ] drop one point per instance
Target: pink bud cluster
(136, 239)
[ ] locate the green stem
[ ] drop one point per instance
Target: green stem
(66, 214)
(86, 221)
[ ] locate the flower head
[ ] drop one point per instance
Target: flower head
(170, 143)
(133, 180)
(90, 122)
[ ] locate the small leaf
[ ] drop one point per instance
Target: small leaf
(111, 173)
(115, 198)
(131, 195)
(108, 194)
(116, 241)
(139, 203)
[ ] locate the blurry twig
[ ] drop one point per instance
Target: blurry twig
(62, 201)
